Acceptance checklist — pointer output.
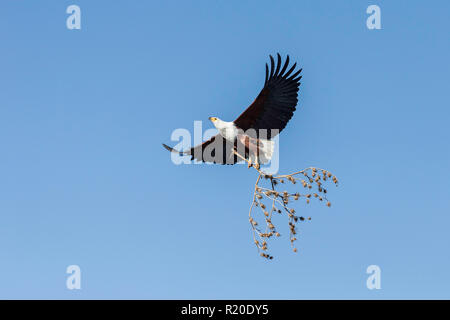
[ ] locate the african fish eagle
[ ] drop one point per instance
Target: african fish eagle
(250, 134)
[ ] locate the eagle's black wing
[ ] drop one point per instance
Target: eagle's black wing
(276, 102)
(216, 150)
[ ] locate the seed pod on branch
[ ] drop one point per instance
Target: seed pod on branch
(268, 197)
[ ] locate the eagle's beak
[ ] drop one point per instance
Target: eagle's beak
(212, 119)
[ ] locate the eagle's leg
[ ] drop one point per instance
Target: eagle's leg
(256, 162)
(256, 153)
(249, 144)
(253, 156)
(253, 161)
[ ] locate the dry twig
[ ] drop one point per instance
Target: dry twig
(270, 201)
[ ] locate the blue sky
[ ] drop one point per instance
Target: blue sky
(85, 181)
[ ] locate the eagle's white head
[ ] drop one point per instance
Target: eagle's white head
(227, 129)
(218, 123)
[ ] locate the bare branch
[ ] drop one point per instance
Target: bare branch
(312, 180)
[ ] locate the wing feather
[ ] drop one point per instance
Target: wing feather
(215, 150)
(276, 103)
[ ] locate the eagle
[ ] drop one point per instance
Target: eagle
(249, 136)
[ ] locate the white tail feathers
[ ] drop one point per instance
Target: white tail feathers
(266, 149)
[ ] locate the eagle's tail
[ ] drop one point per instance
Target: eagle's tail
(173, 150)
(266, 148)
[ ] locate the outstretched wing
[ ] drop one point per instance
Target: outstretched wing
(215, 150)
(276, 102)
